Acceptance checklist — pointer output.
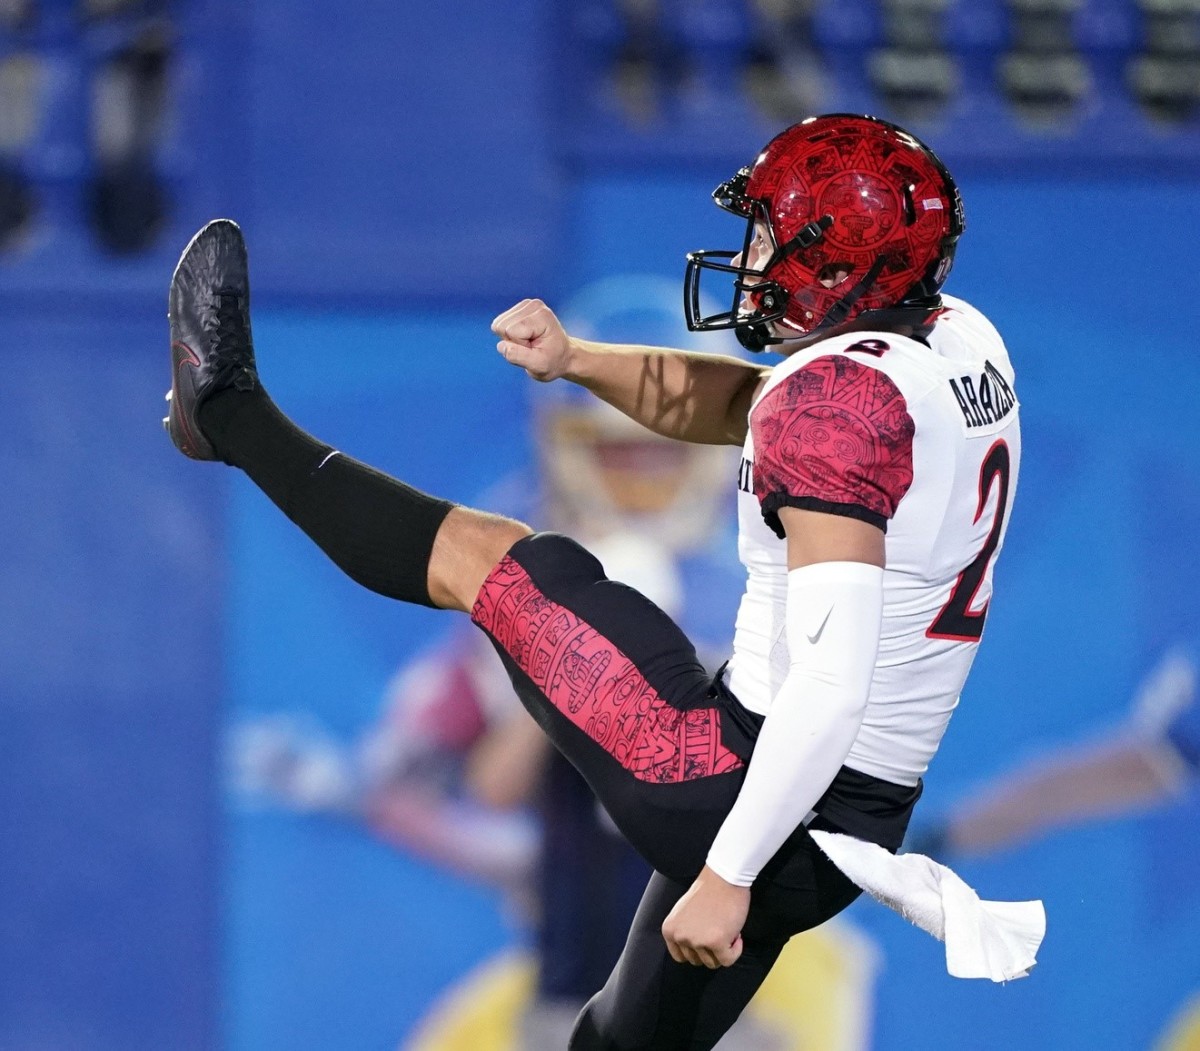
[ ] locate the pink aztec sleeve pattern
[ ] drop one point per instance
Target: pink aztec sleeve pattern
(596, 686)
(835, 436)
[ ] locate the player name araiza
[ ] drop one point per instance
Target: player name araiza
(984, 399)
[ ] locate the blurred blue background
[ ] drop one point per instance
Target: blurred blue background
(403, 173)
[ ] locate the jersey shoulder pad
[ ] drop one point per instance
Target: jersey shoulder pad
(833, 435)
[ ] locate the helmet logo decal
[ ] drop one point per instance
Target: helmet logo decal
(865, 209)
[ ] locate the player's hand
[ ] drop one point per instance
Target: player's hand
(705, 927)
(532, 338)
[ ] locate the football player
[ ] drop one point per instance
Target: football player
(879, 464)
(454, 761)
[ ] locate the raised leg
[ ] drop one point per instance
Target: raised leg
(389, 537)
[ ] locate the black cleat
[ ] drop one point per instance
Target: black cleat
(211, 348)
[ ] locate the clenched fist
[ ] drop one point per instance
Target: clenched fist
(532, 338)
(705, 926)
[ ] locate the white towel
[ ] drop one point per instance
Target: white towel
(984, 939)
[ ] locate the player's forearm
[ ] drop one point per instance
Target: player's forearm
(703, 398)
(1106, 779)
(797, 756)
(495, 848)
(834, 613)
(504, 767)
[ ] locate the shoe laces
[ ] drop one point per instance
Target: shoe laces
(230, 356)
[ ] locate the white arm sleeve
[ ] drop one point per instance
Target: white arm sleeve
(834, 613)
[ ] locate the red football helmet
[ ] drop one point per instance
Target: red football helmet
(861, 220)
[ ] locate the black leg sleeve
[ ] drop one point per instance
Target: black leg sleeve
(378, 530)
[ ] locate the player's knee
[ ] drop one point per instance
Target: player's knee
(587, 1035)
(598, 1028)
(467, 548)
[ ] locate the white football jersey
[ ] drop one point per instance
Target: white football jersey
(921, 440)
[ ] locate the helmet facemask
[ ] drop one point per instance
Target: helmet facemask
(767, 299)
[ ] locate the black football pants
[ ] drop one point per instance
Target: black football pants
(618, 688)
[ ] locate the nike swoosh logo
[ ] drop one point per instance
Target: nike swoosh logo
(180, 345)
(816, 636)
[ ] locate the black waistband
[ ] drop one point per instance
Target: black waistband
(855, 803)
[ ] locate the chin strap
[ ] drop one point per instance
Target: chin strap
(841, 309)
(808, 235)
(757, 335)
(913, 312)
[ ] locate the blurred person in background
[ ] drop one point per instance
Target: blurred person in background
(851, 226)
(20, 75)
(1147, 760)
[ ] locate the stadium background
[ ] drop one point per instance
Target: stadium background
(403, 172)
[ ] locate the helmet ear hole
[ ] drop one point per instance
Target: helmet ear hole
(833, 274)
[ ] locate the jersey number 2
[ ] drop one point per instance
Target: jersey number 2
(957, 620)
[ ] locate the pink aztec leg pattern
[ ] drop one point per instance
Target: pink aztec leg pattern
(587, 678)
